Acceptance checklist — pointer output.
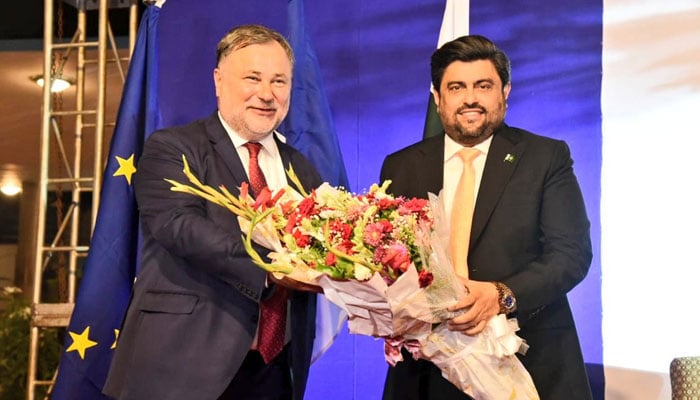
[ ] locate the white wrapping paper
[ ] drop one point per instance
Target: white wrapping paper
(483, 366)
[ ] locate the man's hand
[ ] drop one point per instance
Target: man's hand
(481, 303)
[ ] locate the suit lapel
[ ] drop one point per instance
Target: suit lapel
(505, 153)
(308, 179)
(430, 177)
(284, 155)
(223, 146)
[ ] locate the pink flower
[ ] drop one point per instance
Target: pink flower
(375, 232)
(396, 257)
(355, 211)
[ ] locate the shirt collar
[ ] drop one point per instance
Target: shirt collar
(452, 147)
(268, 142)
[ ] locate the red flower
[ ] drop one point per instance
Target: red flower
(301, 239)
(307, 206)
(291, 222)
(413, 205)
(341, 229)
(346, 247)
(425, 278)
(244, 190)
(331, 259)
(287, 207)
(386, 203)
(265, 199)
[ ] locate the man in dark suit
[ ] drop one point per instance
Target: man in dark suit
(192, 328)
(529, 241)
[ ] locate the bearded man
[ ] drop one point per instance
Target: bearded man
(529, 242)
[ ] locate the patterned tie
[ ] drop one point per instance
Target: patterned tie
(462, 213)
(257, 179)
(273, 311)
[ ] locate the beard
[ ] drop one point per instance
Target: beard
(472, 134)
(253, 128)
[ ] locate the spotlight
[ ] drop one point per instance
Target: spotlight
(58, 84)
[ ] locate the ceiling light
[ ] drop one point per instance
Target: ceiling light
(10, 180)
(58, 84)
(10, 189)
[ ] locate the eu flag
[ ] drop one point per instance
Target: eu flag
(309, 128)
(113, 256)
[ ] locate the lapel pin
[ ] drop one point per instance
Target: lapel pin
(509, 158)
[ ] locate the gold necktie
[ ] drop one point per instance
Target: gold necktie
(462, 213)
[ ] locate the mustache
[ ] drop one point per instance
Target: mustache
(471, 107)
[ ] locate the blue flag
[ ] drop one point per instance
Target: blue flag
(309, 128)
(112, 259)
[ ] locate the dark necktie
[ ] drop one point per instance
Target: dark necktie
(273, 311)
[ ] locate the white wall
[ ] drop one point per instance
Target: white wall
(650, 205)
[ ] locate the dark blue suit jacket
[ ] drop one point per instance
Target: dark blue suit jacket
(195, 302)
(530, 231)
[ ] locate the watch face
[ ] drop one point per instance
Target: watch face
(509, 302)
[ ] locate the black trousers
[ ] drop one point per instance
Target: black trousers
(419, 380)
(256, 380)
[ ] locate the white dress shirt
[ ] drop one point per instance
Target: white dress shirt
(269, 157)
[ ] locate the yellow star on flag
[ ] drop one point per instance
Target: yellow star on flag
(81, 342)
(116, 337)
(126, 167)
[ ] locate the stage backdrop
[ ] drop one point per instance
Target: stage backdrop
(374, 57)
(618, 79)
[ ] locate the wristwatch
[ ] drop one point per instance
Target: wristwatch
(506, 298)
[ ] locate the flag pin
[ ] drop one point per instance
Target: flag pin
(509, 158)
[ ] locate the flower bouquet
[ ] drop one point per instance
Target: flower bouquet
(381, 259)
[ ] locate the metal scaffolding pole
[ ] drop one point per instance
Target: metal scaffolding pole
(68, 174)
